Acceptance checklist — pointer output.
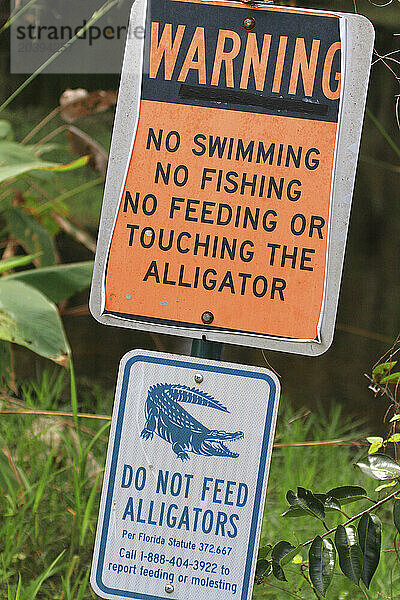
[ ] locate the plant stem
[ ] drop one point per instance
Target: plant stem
(74, 404)
(364, 512)
(15, 16)
(283, 590)
(52, 413)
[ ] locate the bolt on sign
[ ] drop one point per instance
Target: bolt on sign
(185, 479)
(231, 173)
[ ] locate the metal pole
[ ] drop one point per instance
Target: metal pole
(206, 349)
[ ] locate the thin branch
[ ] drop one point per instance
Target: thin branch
(40, 125)
(51, 413)
(277, 587)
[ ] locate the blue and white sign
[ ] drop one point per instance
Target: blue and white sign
(185, 479)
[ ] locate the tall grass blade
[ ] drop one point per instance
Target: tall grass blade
(34, 589)
(43, 482)
(88, 511)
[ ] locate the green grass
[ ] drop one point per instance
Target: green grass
(49, 510)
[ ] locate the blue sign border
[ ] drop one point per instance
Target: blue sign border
(114, 461)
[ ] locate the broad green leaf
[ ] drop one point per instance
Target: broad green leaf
(369, 534)
(16, 160)
(264, 551)
(58, 282)
(32, 236)
(396, 514)
(290, 555)
(305, 499)
(347, 493)
(16, 261)
(382, 370)
(279, 551)
(278, 572)
(322, 559)
(394, 438)
(263, 569)
(380, 466)
(349, 552)
(391, 378)
(395, 418)
(28, 318)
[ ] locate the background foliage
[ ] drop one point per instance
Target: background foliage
(53, 156)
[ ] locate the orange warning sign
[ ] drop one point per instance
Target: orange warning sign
(226, 203)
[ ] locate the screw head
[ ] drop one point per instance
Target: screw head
(169, 588)
(198, 378)
(207, 317)
(249, 23)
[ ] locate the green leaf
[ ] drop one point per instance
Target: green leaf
(264, 551)
(16, 160)
(58, 282)
(279, 551)
(28, 318)
(290, 555)
(263, 569)
(395, 418)
(396, 514)
(349, 551)
(369, 534)
(31, 235)
(380, 466)
(394, 438)
(305, 499)
(373, 439)
(391, 378)
(329, 502)
(382, 370)
(322, 559)
(347, 493)
(376, 444)
(16, 261)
